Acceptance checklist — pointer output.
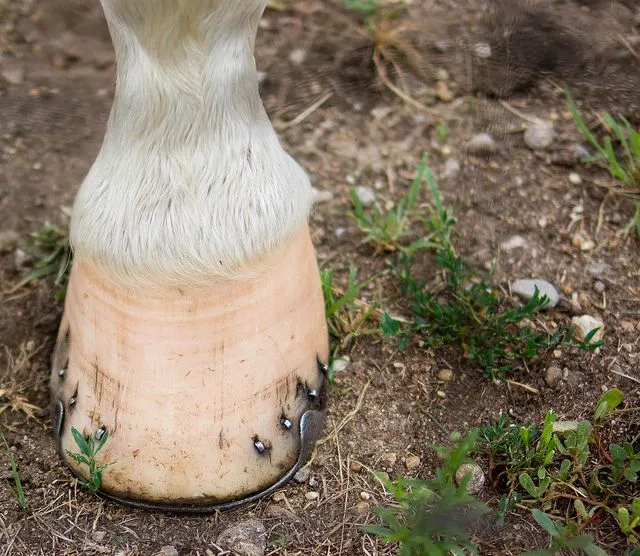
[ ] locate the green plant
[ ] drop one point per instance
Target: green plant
(87, 456)
(432, 517)
(564, 537)
(624, 165)
(52, 252)
(17, 491)
(365, 7)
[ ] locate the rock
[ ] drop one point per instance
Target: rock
(582, 242)
(412, 462)
(553, 376)
(247, 538)
(366, 195)
(539, 136)
(168, 551)
(443, 92)
(482, 50)
(575, 178)
(597, 269)
(445, 375)
(441, 394)
(13, 75)
(313, 482)
(389, 459)
(361, 508)
(451, 168)
(302, 476)
(526, 289)
(8, 241)
(355, 466)
(514, 242)
(321, 196)
(298, 56)
(476, 482)
(98, 536)
(312, 495)
(482, 143)
(340, 364)
(365, 495)
(585, 324)
(580, 152)
(599, 287)
(278, 496)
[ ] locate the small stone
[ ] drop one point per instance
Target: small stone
(355, 466)
(298, 56)
(553, 376)
(445, 375)
(476, 482)
(412, 462)
(582, 242)
(20, 259)
(539, 136)
(451, 168)
(361, 508)
(313, 482)
(366, 195)
(98, 536)
(8, 241)
(441, 394)
(443, 92)
(482, 50)
(580, 152)
(312, 495)
(526, 289)
(514, 242)
(168, 551)
(575, 178)
(278, 496)
(247, 538)
(597, 269)
(599, 287)
(389, 459)
(585, 324)
(365, 495)
(321, 196)
(302, 476)
(13, 75)
(340, 364)
(482, 143)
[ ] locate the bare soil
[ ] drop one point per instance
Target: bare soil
(53, 109)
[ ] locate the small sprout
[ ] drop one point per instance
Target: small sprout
(87, 456)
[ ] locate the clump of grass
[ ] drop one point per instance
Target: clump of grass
(433, 516)
(51, 251)
(87, 456)
(347, 315)
(17, 491)
(566, 469)
(624, 165)
(467, 309)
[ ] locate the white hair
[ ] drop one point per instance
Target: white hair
(191, 180)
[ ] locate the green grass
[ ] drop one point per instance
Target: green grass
(17, 491)
(87, 456)
(619, 152)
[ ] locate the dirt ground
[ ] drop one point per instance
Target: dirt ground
(503, 65)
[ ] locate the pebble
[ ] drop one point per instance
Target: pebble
(302, 476)
(312, 495)
(412, 462)
(482, 143)
(340, 364)
(298, 56)
(597, 269)
(585, 324)
(441, 394)
(582, 242)
(445, 375)
(365, 495)
(514, 242)
(482, 50)
(477, 477)
(168, 551)
(539, 136)
(8, 241)
(599, 287)
(247, 538)
(443, 92)
(98, 536)
(366, 195)
(355, 466)
(389, 459)
(526, 289)
(580, 152)
(313, 482)
(575, 178)
(553, 376)
(321, 196)
(451, 168)
(361, 508)
(278, 496)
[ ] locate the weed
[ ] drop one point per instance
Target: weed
(17, 491)
(52, 252)
(563, 467)
(346, 314)
(623, 166)
(432, 517)
(364, 7)
(87, 456)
